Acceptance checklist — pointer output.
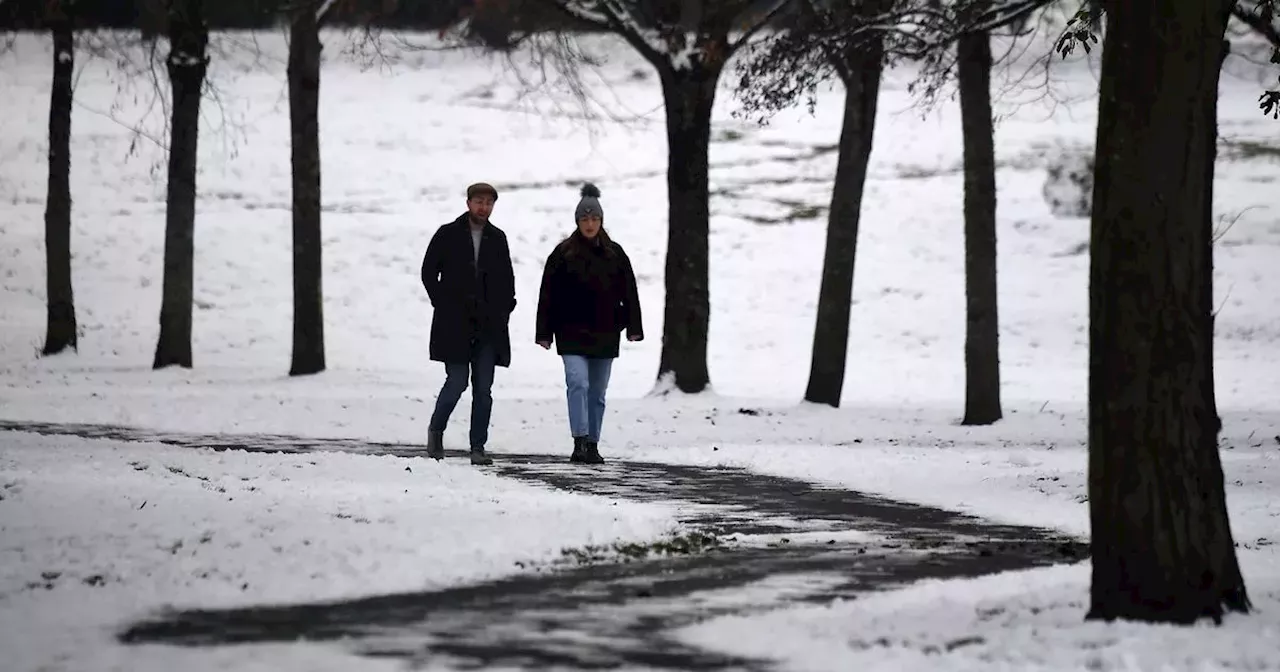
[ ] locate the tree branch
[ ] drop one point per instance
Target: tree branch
(752, 30)
(1258, 21)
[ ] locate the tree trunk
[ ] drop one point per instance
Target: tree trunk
(60, 330)
(688, 96)
(1206, 288)
(187, 63)
(861, 77)
(982, 325)
(1162, 543)
(304, 110)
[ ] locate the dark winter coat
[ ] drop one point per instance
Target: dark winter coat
(472, 300)
(588, 296)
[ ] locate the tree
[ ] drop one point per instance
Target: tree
(688, 43)
(187, 65)
(304, 122)
(60, 330)
(859, 67)
(793, 63)
(982, 324)
(1162, 542)
(765, 86)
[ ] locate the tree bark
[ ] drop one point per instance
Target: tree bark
(689, 96)
(1162, 542)
(304, 111)
(60, 327)
(861, 72)
(187, 64)
(982, 324)
(1206, 288)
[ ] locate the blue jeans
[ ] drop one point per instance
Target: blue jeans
(481, 367)
(586, 379)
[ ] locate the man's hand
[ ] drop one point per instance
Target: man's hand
(546, 345)
(635, 337)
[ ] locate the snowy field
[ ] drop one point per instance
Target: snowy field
(400, 142)
(99, 533)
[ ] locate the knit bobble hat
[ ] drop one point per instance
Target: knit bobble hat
(590, 203)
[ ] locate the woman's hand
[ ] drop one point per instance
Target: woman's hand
(546, 345)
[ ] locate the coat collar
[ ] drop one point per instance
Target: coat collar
(464, 222)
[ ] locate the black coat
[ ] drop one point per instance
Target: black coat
(471, 300)
(588, 295)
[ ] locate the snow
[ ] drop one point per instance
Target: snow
(1024, 620)
(445, 119)
(1068, 189)
(324, 8)
(1029, 620)
(681, 49)
(95, 533)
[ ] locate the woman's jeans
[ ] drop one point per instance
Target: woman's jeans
(586, 379)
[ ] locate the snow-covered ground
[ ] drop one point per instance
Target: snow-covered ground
(1023, 472)
(99, 533)
(400, 143)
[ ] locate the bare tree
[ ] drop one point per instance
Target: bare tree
(60, 331)
(762, 88)
(304, 121)
(187, 64)
(812, 50)
(982, 323)
(1162, 541)
(859, 67)
(688, 43)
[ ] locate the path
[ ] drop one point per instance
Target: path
(620, 614)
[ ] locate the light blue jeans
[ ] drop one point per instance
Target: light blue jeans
(586, 379)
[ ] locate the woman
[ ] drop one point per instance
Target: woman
(588, 296)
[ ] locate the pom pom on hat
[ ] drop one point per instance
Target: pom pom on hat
(590, 203)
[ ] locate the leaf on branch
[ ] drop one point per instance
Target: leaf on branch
(1269, 101)
(1080, 31)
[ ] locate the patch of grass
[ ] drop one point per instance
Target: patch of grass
(807, 212)
(179, 471)
(910, 172)
(729, 135)
(690, 544)
(1246, 150)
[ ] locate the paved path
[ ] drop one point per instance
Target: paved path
(620, 614)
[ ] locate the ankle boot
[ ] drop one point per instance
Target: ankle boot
(435, 445)
(579, 449)
(592, 453)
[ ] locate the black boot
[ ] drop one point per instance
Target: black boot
(592, 455)
(579, 449)
(435, 445)
(479, 457)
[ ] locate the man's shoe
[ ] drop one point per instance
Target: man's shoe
(479, 457)
(592, 453)
(579, 450)
(435, 445)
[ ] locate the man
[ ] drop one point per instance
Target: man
(468, 275)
